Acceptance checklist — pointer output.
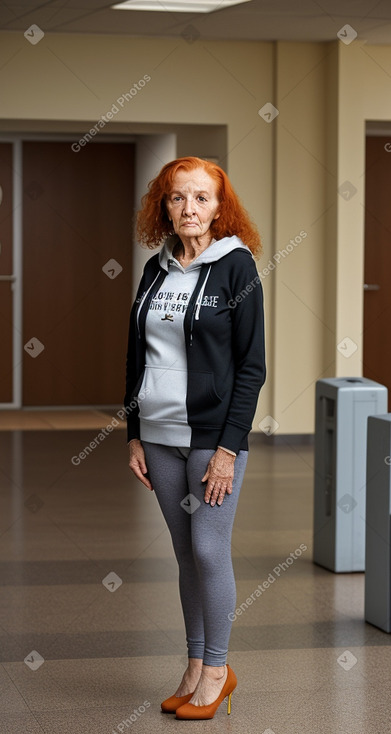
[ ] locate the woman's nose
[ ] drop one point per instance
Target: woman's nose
(188, 206)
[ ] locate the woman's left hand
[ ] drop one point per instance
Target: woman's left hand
(219, 474)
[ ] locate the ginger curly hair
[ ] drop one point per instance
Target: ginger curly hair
(153, 225)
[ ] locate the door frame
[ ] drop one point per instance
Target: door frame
(17, 271)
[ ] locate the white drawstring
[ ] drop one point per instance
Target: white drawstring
(201, 295)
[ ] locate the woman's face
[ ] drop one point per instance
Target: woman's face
(192, 203)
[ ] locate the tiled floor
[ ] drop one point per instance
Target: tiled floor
(109, 658)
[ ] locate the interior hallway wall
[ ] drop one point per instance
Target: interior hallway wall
(300, 233)
(363, 95)
(152, 151)
(83, 77)
(325, 94)
(287, 171)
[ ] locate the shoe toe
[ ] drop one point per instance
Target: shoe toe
(170, 705)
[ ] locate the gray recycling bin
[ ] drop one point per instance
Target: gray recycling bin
(378, 531)
(343, 405)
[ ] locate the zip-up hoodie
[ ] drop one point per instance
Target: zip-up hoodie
(195, 366)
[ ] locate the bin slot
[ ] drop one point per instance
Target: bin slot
(329, 472)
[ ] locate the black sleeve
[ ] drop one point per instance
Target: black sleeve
(131, 369)
(248, 344)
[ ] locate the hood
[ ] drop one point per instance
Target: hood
(216, 250)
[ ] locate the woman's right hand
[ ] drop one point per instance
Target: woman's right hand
(137, 462)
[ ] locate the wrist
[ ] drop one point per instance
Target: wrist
(227, 451)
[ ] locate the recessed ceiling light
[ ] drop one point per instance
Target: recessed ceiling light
(177, 6)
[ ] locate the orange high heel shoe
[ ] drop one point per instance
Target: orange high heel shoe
(189, 711)
(170, 705)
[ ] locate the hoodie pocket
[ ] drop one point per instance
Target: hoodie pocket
(202, 395)
(163, 395)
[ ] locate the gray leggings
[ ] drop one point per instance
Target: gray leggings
(201, 537)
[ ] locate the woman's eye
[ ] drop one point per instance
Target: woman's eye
(202, 198)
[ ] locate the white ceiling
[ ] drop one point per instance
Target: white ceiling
(260, 20)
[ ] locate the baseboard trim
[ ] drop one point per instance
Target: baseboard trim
(283, 439)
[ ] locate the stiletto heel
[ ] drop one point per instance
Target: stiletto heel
(190, 711)
(229, 704)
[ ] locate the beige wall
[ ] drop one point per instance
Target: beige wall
(325, 94)
(72, 78)
(287, 172)
(300, 196)
(364, 94)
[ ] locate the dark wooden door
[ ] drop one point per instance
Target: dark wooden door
(77, 219)
(377, 269)
(6, 270)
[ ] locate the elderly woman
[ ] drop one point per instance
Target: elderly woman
(194, 369)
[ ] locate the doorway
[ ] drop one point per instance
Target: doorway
(377, 263)
(76, 264)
